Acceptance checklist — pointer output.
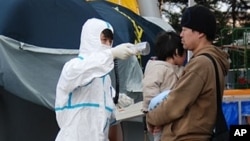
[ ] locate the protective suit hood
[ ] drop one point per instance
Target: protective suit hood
(90, 38)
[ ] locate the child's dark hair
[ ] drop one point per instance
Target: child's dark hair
(166, 45)
(108, 33)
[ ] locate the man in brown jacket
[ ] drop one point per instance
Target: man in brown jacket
(189, 112)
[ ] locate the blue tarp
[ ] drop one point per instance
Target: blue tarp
(230, 110)
(245, 108)
(234, 110)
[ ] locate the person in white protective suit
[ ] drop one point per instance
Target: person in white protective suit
(84, 105)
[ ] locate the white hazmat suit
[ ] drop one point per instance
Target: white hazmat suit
(84, 104)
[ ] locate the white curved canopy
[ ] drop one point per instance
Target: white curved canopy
(160, 22)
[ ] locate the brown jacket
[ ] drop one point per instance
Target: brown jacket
(189, 111)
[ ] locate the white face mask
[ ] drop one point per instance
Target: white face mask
(106, 46)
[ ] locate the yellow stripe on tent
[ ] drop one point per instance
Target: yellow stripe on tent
(130, 4)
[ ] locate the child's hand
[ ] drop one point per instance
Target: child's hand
(157, 129)
(150, 128)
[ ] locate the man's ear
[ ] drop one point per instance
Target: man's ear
(201, 34)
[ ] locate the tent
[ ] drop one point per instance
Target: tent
(36, 38)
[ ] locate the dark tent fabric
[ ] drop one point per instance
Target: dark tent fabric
(53, 24)
(21, 120)
(57, 23)
(50, 23)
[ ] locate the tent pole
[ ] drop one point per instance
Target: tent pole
(149, 8)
